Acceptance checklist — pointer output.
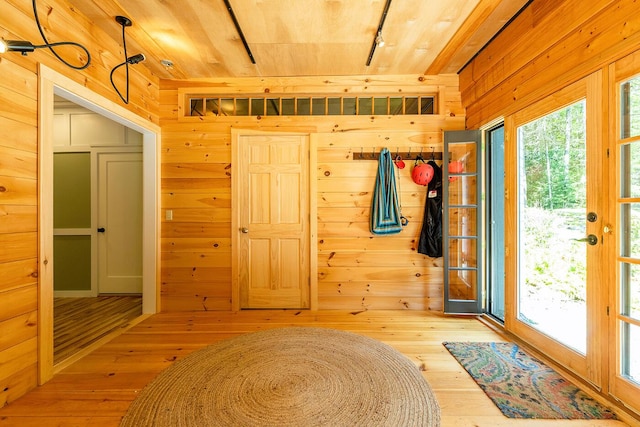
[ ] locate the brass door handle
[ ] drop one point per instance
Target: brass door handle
(244, 230)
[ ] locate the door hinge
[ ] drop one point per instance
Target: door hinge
(607, 153)
(607, 310)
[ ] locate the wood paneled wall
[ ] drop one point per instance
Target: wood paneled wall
(356, 271)
(19, 164)
(552, 44)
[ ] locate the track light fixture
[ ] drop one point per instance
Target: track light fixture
(25, 47)
(378, 41)
(135, 59)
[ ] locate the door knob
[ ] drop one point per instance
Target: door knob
(245, 230)
(590, 239)
(101, 230)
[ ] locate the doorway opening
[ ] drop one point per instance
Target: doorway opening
(53, 84)
(97, 220)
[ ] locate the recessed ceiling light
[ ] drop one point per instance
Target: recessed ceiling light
(167, 63)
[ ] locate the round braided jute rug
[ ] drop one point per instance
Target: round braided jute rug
(296, 376)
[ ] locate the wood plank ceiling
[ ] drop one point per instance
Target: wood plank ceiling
(302, 37)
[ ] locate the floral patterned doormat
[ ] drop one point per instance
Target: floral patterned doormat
(522, 386)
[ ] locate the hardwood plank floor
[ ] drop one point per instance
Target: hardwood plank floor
(98, 389)
(80, 322)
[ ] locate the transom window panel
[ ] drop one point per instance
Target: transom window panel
(221, 106)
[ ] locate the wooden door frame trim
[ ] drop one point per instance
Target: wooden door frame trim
(53, 83)
(313, 215)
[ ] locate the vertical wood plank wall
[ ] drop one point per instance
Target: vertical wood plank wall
(549, 46)
(356, 271)
(19, 164)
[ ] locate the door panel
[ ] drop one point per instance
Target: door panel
(461, 216)
(553, 186)
(120, 215)
(72, 241)
(494, 190)
(625, 321)
(271, 205)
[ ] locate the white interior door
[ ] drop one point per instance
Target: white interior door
(120, 223)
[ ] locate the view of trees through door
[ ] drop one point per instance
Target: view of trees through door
(552, 292)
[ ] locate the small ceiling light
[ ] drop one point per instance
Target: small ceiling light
(379, 40)
(167, 63)
(25, 47)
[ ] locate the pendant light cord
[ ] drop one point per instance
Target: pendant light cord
(126, 65)
(51, 45)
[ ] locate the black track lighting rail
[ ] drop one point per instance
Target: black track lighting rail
(239, 30)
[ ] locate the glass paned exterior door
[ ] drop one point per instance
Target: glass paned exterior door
(462, 219)
(554, 247)
(626, 380)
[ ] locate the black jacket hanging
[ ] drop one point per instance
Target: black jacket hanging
(430, 242)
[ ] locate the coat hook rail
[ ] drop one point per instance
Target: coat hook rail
(406, 155)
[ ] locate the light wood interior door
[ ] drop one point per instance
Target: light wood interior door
(271, 231)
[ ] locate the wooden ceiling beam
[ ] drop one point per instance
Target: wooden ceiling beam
(486, 20)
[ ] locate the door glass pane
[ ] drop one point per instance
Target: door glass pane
(630, 226)
(552, 211)
(630, 351)
(630, 299)
(463, 285)
(462, 222)
(495, 223)
(630, 108)
(630, 172)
